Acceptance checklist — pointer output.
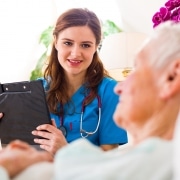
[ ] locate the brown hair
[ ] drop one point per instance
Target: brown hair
(54, 72)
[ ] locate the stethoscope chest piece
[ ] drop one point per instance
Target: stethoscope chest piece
(63, 129)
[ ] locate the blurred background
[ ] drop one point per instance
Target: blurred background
(23, 21)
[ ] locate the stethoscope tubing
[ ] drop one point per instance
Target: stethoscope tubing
(82, 131)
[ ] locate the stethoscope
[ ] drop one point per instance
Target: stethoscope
(83, 132)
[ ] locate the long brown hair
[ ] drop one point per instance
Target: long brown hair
(54, 72)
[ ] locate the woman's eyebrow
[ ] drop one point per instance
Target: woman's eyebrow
(67, 39)
(90, 42)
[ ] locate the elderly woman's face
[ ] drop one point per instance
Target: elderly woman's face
(137, 95)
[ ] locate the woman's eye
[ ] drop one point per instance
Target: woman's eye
(68, 43)
(85, 45)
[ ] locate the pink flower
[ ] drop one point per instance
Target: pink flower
(171, 11)
(171, 4)
(161, 16)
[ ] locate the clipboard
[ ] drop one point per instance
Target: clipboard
(24, 107)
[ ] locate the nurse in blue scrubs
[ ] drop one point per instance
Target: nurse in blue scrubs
(79, 90)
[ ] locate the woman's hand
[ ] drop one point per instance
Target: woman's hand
(53, 138)
(19, 155)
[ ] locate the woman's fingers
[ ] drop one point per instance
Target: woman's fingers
(51, 138)
(53, 122)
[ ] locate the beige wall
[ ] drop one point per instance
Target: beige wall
(22, 21)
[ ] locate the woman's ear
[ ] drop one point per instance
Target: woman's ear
(171, 85)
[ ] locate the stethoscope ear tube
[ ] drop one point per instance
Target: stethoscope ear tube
(85, 133)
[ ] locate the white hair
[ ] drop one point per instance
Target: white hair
(163, 46)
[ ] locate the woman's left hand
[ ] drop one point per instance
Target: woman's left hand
(52, 138)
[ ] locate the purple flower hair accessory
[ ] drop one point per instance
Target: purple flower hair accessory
(170, 11)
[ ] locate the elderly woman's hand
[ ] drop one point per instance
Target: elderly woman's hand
(18, 155)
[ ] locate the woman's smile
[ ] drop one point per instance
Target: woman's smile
(74, 62)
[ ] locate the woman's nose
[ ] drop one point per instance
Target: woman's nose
(76, 51)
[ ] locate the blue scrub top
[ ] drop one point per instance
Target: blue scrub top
(108, 132)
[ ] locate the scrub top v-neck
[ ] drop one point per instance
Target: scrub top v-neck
(108, 132)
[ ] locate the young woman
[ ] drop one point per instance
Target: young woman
(79, 91)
